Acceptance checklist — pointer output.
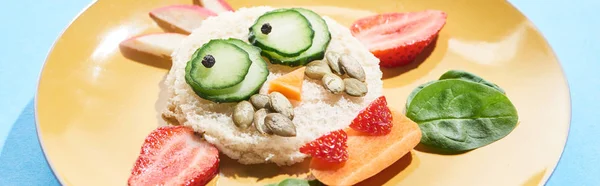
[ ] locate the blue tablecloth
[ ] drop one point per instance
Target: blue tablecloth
(29, 28)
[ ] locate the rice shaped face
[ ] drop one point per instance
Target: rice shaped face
(319, 112)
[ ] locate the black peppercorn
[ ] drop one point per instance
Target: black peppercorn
(208, 61)
(266, 28)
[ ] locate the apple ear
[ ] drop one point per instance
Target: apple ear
(152, 49)
(180, 18)
(217, 6)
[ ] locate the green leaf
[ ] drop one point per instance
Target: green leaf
(467, 76)
(414, 92)
(293, 182)
(457, 115)
(454, 74)
(297, 182)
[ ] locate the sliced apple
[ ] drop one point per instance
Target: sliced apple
(158, 46)
(217, 6)
(180, 18)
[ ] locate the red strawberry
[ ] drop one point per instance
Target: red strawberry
(397, 38)
(331, 147)
(174, 155)
(376, 119)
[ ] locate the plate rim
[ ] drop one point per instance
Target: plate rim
(37, 91)
(546, 177)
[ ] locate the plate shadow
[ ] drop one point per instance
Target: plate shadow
(394, 170)
(23, 141)
(393, 72)
(230, 168)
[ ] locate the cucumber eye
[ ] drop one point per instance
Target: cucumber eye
(266, 28)
(208, 61)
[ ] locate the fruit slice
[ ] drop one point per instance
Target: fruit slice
(316, 50)
(174, 155)
(283, 31)
(397, 38)
(369, 155)
(331, 147)
(217, 6)
(376, 119)
(290, 84)
(229, 65)
(256, 77)
(159, 45)
(180, 18)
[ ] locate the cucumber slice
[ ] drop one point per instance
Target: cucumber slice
(231, 65)
(256, 77)
(291, 33)
(319, 43)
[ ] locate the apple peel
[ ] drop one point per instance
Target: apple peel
(180, 18)
(156, 45)
(217, 6)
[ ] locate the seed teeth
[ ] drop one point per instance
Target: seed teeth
(352, 67)
(279, 103)
(259, 122)
(243, 114)
(280, 125)
(333, 83)
(354, 87)
(259, 101)
(333, 60)
(317, 69)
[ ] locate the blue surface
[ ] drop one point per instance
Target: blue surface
(30, 27)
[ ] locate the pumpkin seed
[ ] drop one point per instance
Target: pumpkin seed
(355, 87)
(279, 103)
(333, 83)
(317, 69)
(280, 125)
(259, 101)
(333, 60)
(259, 122)
(351, 66)
(243, 114)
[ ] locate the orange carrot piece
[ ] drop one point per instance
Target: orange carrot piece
(290, 84)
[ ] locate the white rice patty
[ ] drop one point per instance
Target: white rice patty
(319, 112)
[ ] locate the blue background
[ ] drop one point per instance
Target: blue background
(29, 28)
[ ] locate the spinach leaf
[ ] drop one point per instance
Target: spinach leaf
(297, 182)
(414, 92)
(467, 76)
(454, 74)
(456, 115)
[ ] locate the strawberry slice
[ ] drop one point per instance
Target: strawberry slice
(174, 155)
(331, 147)
(397, 38)
(376, 119)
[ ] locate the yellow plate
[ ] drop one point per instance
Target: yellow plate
(94, 107)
